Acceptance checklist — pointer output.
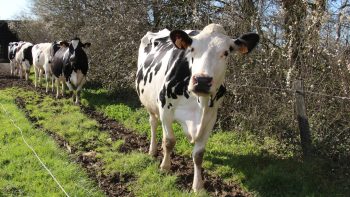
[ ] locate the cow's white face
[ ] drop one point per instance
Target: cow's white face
(207, 54)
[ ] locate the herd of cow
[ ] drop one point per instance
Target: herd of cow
(180, 77)
(60, 61)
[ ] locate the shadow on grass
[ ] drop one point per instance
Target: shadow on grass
(267, 175)
(99, 98)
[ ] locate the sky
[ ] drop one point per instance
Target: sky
(12, 9)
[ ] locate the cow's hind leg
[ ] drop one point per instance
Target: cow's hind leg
(47, 78)
(40, 75)
(36, 73)
(154, 124)
(168, 142)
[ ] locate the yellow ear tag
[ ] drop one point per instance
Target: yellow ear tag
(243, 49)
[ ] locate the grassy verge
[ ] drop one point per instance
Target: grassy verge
(65, 119)
(260, 167)
(21, 174)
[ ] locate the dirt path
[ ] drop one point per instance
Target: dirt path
(115, 185)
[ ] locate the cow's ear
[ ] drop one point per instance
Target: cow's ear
(180, 39)
(246, 43)
(64, 44)
(86, 44)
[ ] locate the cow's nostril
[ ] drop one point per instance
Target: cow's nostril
(203, 80)
(202, 84)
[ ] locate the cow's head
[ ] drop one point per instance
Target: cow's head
(56, 45)
(207, 54)
(75, 53)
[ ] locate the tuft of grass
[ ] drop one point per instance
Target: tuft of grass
(21, 174)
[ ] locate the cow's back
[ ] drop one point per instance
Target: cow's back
(163, 71)
(39, 54)
(155, 49)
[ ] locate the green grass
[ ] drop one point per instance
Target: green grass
(263, 167)
(21, 174)
(66, 120)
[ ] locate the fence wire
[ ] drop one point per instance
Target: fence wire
(34, 152)
(293, 91)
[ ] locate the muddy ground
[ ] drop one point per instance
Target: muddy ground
(116, 185)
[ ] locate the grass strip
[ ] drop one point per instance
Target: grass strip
(21, 174)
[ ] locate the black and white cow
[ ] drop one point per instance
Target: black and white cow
(11, 55)
(24, 58)
(70, 65)
(42, 59)
(180, 77)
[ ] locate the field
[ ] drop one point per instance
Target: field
(99, 148)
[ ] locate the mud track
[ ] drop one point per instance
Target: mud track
(117, 184)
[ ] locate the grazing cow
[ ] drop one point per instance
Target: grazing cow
(70, 64)
(42, 58)
(180, 77)
(24, 58)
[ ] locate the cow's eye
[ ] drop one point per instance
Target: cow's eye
(192, 49)
(226, 53)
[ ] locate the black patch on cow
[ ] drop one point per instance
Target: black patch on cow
(220, 93)
(145, 78)
(12, 51)
(148, 48)
(170, 105)
(178, 78)
(148, 61)
(27, 52)
(150, 78)
(156, 69)
(162, 96)
(55, 47)
(194, 33)
(139, 77)
(142, 91)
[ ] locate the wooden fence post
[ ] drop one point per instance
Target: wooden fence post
(303, 122)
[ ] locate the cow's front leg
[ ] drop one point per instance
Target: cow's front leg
(20, 71)
(169, 141)
(57, 87)
(71, 89)
(77, 94)
(12, 68)
(207, 124)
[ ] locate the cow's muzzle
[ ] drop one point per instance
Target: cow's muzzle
(202, 84)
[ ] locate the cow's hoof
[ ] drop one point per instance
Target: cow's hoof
(153, 153)
(198, 188)
(165, 168)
